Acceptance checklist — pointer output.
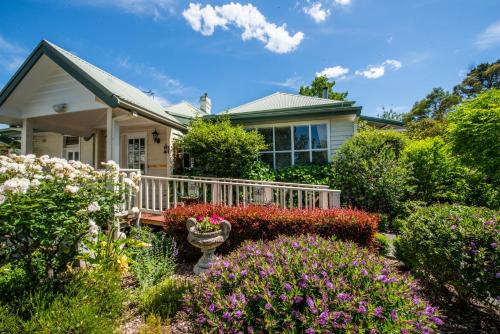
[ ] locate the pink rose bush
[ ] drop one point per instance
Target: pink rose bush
(307, 284)
(46, 205)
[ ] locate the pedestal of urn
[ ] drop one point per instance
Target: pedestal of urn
(207, 242)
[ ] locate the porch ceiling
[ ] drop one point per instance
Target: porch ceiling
(83, 123)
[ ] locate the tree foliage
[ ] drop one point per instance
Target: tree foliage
(480, 78)
(474, 132)
(221, 149)
(316, 89)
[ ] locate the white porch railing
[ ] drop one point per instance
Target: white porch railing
(158, 193)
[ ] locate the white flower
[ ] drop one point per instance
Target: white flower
(135, 210)
(93, 207)
(35, 183)
(71, 189)
(16, 185)
(2, 199)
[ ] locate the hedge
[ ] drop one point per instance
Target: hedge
(266, 223)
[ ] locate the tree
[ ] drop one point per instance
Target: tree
(474, 132)
(390, 114)
(316, 89)
(221, 149)
(480, 78)
(426, 118)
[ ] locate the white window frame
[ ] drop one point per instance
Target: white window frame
(292, 149)
(72, 148)
(137, 135)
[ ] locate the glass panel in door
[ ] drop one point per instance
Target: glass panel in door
(136, 154)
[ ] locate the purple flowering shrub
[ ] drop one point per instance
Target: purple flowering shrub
(307, 284)
(454, 245)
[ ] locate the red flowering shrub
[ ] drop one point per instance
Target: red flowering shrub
(266, 223)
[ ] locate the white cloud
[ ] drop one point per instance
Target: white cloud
(293, 82)
(334, 72)
(395, 64)
(11, 55)
(343, 2)
(389, 40)
(317, 12)
(152, 8)
(377, 71)
(489, 37)
(247, 17)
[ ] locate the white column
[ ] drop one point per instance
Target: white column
(110, 127)
(112, 137)
(115, 149)
(27, 136)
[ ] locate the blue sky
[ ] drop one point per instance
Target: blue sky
(384, 53)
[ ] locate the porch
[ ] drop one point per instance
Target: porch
(157, 193)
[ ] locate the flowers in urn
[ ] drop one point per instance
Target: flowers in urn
(209, 224)
(207, 233)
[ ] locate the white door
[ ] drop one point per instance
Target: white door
(136, 152)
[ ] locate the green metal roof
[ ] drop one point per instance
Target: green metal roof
(382, 121)
(280, 100)
(111, 90)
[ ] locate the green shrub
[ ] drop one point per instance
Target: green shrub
(383, 244)
(259, 171)
(367, 170)
(308, 174)
(306, 284)
(454, 245)
(154, 262)
(474, 132)
(436, 175)
(164, 299)
(221, 149)
(153, 325)
(45, 208)
(91, 303)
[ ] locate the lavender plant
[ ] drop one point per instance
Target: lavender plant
(308, 285)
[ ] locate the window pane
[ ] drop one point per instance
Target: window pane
(301, 137)
(301, 158)
(320, 157)
(283, 160)
(283, 139)
(267, 158)
(268, 137)
(77, 156)
(70, 140)
(318, 136)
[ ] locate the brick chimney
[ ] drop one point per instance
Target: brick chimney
(205, 104)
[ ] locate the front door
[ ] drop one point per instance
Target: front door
(73, 153)
(136, 152)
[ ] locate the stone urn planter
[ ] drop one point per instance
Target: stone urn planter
(207, 242)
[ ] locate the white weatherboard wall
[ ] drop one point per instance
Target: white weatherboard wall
(48, 143)
(340, 128)
(57, 86)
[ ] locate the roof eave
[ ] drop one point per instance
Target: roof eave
(150, 115)
(381, 120)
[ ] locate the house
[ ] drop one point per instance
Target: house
(63, 106)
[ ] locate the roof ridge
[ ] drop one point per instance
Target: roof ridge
(259, 99)
(310, 97)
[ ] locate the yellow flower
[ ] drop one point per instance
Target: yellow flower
(122, 263)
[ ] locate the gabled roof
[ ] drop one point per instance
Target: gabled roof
(280, 100)
(184, 112)
(111, 90)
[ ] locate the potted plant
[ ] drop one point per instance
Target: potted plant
(207, 233)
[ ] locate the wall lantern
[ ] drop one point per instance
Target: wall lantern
(166, 148)
(156, 136)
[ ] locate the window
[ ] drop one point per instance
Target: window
(71, 146)
(295, 145)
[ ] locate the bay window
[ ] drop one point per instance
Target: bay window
(295, 144)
